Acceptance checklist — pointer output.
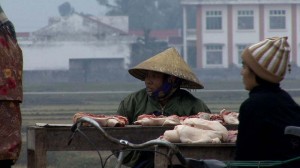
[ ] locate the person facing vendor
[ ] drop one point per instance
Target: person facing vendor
(164, 75)
(269, 109)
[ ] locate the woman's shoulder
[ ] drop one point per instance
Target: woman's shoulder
(137, 94)
(262, 97)
(140, 92)
(185, 94)
(258, 102)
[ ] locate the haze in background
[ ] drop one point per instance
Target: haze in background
(31, 15)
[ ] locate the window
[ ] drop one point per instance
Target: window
(214, 20)
(191, 15)
(214, 54)
(277, 19)
(240, 50)
(192, 56)
(245, 20)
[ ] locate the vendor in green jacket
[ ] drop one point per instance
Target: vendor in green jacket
(164, 75)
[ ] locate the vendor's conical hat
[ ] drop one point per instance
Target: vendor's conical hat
(171, 63)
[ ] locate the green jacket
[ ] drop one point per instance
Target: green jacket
(182, 103)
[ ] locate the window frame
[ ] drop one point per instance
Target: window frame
(245, 14)
(275, 17)
(216, 48)
(213, 20)
(240, 48)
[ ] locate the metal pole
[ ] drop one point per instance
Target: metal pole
(184, 34)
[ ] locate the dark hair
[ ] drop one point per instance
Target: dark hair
(8, 29)
(176, 83)
(260, 80)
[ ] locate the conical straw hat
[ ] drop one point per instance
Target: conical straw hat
(171, 63)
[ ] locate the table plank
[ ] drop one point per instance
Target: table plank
(48, 137)
(55, 138)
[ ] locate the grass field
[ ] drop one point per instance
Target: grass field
(57, 103)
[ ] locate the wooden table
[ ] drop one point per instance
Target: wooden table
(43, 138)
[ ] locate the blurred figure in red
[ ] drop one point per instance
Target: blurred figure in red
(11, 93)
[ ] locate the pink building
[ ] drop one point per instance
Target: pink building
(225, 27)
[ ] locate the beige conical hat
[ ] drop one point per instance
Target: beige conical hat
(171, 63)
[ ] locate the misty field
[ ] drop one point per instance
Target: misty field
(57, 103)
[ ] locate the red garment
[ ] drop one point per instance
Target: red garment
(11, 94)
(11, 67)
(10, 130)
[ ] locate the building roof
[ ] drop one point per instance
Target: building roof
(158, 34)
(79, 24)
(120, 22)
(23, 34)
(224, 2)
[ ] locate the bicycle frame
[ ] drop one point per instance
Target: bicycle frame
(186, 162)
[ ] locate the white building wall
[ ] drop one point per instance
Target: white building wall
(244, 37)
(283, 32)
(56, 56)
(215, 36)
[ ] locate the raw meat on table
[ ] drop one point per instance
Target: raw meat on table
(103, 120)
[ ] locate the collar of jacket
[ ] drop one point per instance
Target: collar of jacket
(266, 87)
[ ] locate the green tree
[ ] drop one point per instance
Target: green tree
(146, 15)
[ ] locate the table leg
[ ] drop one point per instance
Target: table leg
(160, 160)
(36, 159)
(36, 149)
